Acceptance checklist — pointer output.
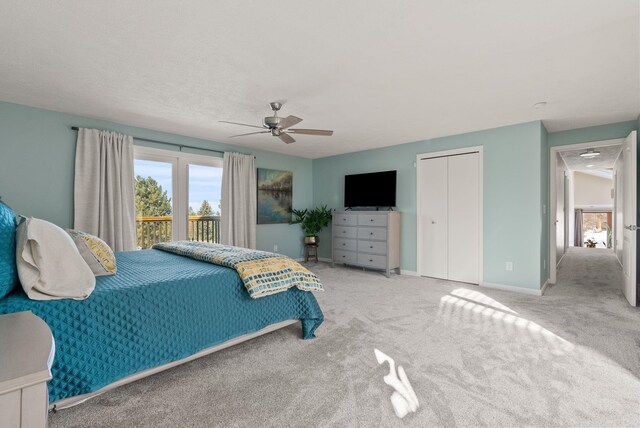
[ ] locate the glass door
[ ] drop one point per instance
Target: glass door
(154, 201)
(204, 205)
(177, 196)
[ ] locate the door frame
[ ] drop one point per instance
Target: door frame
(447, 153)
(553, 194)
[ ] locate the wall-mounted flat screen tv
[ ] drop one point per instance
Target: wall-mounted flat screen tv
(375, 189)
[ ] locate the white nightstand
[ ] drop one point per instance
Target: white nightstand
(26, 356)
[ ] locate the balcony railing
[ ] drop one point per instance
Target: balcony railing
(151, 230)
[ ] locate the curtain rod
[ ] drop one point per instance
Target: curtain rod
(75, 128)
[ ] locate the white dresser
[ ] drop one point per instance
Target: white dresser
(26, 356)
(369, 239)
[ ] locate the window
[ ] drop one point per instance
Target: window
(596, 227)
(177, 196)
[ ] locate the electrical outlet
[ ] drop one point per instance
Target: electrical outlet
(509, 266)
(275, 248)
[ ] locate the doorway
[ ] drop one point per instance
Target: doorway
(593, 204)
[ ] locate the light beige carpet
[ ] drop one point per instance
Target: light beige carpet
(475, 357)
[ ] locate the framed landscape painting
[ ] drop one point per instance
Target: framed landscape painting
(275, 192)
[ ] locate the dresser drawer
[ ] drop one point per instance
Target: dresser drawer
(372, 233)
(345, 219)
(345, 244)
(375, 247)
(345, 257)
(372, 219)
(345, 232)
(371, 260)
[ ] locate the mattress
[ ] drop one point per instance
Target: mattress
(159, 307)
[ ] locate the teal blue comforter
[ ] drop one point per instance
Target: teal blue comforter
(158, 308)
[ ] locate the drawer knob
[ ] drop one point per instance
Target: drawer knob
(344, 219)
(343, 244)
(344, 257)
(370, 246)
(371, 219)
(344, 231)
(370, 233)
(370, 260)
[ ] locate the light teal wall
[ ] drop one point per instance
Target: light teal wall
(592, 133)
(37, 155)
(513, 218)
(544, 206)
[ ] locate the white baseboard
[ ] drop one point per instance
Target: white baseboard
(408, 272)
(544, 287)
(320, 259)
(512, 288)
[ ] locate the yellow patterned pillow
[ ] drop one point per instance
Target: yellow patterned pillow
(95, 252)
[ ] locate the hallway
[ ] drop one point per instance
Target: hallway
(591, 274)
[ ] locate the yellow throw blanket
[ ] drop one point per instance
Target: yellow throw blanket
(262, 273)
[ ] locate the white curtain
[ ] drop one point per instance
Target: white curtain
(239, 201)
(104, 203)
(578, 234)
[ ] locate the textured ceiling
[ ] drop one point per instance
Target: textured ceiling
(605, 160)
(377, 72)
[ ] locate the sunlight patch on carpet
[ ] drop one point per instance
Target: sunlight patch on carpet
(474, 308)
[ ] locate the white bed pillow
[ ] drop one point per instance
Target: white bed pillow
(50, 266)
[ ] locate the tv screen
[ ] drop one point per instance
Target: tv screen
(375, 189)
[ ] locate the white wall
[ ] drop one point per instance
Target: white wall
(571, 209)
(592, 192)
(561, 171)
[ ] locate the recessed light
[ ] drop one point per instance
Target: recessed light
(540, 104)
(589, 166)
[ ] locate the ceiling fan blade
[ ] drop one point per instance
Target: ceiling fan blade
(286, 138)
(250, 133)
(323, 132)
(289, 121)
(241, 124)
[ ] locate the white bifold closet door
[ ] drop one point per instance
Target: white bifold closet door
(434, 242)
(450, 220)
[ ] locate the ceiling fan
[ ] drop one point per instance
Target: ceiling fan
(280, 127)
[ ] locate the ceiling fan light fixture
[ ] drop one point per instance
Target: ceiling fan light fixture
(279, 126)
(590, 153)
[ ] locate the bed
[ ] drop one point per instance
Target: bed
(158, 310)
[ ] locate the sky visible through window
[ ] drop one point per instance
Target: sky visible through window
(204, 181)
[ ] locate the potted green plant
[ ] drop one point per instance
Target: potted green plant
(590, 243)
(312, 222)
